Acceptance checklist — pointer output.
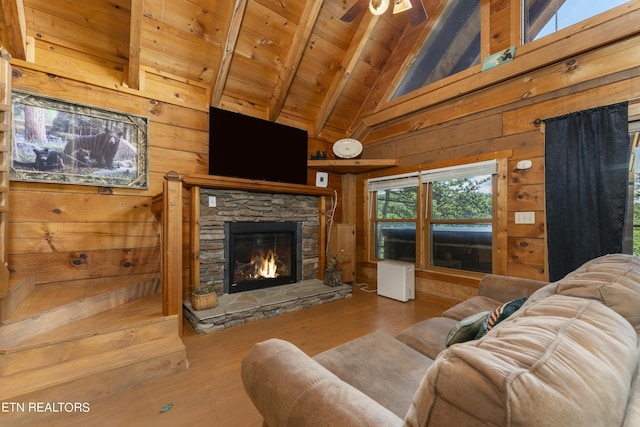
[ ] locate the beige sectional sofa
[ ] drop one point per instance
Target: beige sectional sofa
(567, 357)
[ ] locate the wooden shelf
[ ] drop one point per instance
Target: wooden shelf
(212, 181)
(352, 166)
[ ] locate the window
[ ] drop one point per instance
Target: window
(459, 217)
(456, 230)
(453, 45)
(544, 17)
(395, 203)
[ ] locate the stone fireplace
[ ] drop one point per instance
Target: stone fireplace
(264, 223)
(255, 211)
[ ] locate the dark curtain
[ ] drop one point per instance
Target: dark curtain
(586, 172)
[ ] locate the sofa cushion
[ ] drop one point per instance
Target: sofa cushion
(428, 336)
(381, 367)
(291, 389)
(507, 288)
(467, 328)
(471, 306)
(500, 313)
(558, 361)
(632, 418)
(541, 293)
(614, 280)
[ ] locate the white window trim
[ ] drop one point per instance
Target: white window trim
(489, 167)
(392, 182)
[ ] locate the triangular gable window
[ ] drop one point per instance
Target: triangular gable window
(453, 45)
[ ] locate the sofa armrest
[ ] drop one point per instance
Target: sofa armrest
(507, 288)
(289, 388)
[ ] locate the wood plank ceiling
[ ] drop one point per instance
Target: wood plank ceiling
(289, 61)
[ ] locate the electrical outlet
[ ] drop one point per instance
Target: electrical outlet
(212, 201)
(525, 217)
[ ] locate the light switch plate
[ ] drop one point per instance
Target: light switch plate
(212, 201)
(322, 179)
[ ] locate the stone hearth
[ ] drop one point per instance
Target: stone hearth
(245, 307)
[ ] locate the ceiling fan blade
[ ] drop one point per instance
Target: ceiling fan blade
(351, 14)
(417, 14)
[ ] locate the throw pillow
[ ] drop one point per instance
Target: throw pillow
(499, 314)
(467, 328)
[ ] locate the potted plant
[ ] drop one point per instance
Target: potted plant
(205, 296)
(333, 271)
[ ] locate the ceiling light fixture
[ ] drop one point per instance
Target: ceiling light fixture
(401, 6)
(378, 7)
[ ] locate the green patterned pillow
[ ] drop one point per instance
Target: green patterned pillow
(467, 328)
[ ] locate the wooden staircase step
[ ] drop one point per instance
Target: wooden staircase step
(104, 384)
(127, 325)
(137, 312)
(20, 287)
(14, 331)
(51, 295)
(95, 376)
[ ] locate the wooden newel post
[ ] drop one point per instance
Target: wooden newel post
(172, 247)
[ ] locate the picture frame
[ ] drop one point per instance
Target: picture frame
(57, 141)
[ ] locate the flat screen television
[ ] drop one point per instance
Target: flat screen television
(247, 147)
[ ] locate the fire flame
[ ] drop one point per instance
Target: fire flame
(265, 265)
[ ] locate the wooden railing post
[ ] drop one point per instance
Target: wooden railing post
(194, 259)
(172, 247)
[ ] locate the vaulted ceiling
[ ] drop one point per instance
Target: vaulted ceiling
(284, 60)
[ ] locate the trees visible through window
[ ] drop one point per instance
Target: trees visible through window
(460, 223)
(455, 229)
(396, 212)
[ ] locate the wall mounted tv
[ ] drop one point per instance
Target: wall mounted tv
(247, 147)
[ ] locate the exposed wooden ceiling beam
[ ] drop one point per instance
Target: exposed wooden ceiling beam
(294, 56)
(14, 20)
(227, 55)
(135, 43)
(349, 61)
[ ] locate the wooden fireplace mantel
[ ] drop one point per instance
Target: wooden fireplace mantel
(214, 181)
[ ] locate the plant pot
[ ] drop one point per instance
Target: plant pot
(204, 301)
(333, 277)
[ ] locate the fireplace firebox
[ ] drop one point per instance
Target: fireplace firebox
(261, 255)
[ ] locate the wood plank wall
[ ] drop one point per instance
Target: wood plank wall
(69, 232)
(505, 116)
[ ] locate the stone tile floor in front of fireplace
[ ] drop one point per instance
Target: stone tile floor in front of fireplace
(243, 307)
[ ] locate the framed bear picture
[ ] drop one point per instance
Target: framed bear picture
(56, 141)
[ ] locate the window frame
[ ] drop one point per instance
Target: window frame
(560, 30)
(429, 221)
(424, 220)
(408, 180)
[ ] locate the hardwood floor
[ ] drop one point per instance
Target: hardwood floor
(210, 392)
